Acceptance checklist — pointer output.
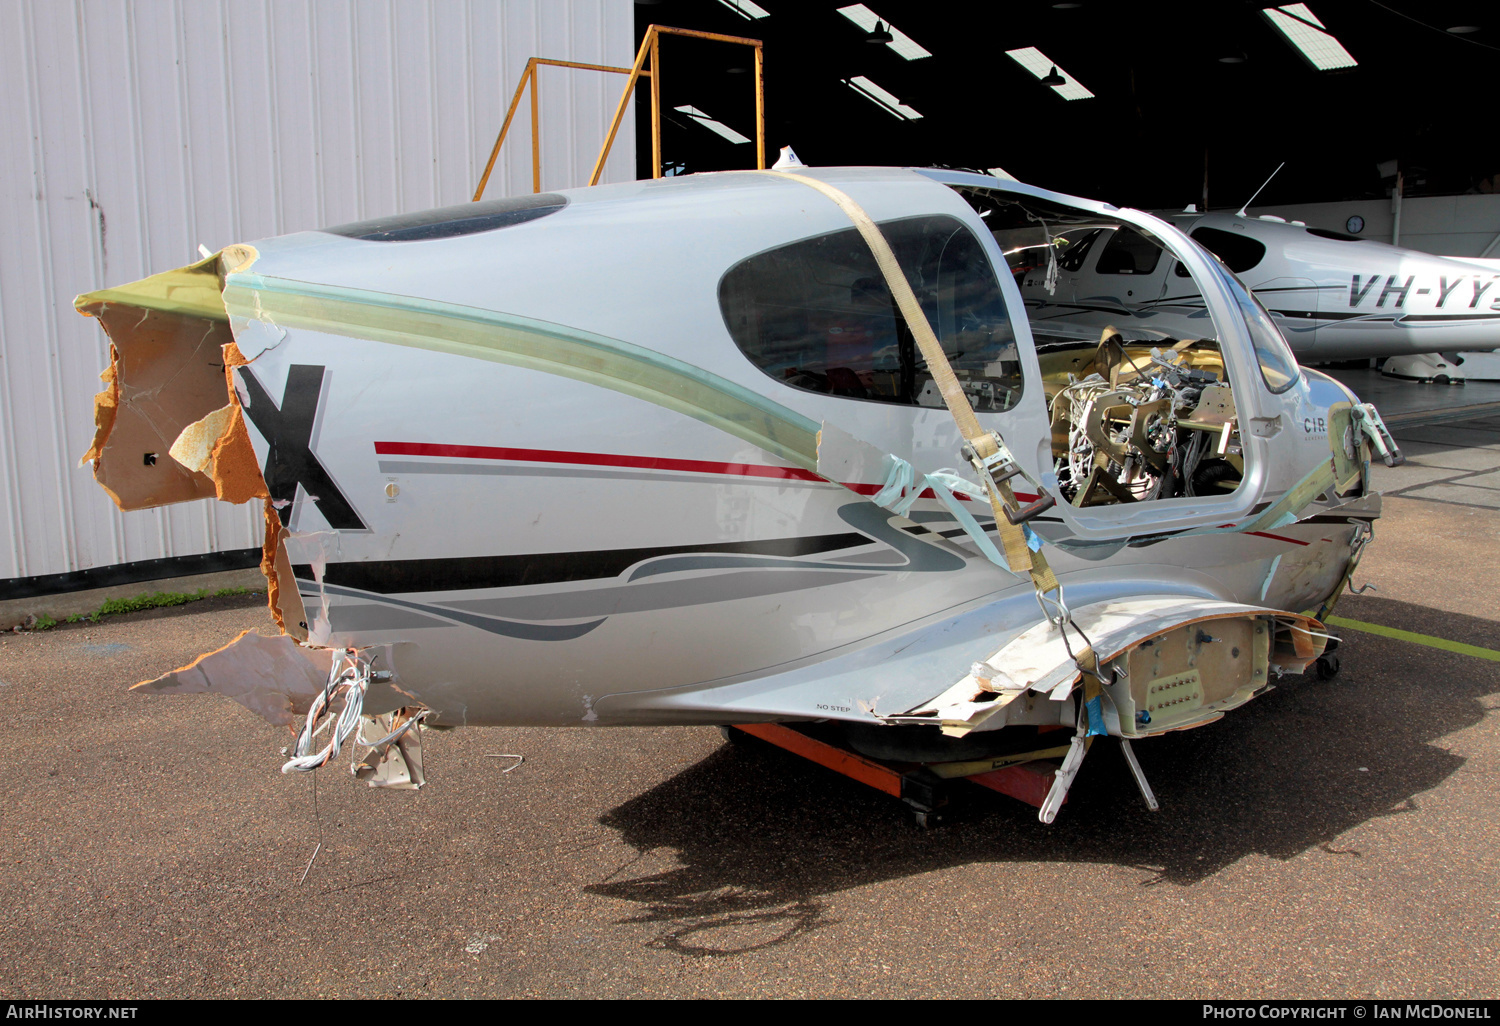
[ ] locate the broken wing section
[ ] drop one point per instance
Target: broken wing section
(1165, 663)
(168, 426)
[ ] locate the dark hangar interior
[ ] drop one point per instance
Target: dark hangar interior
(1189, 99)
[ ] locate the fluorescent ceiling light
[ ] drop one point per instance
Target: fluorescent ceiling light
(886, 101)
(902, 43)
(717, 127)
(1310, 36)
(745, 9)
(1040, 65)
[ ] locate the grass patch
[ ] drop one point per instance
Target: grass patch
(137, 603)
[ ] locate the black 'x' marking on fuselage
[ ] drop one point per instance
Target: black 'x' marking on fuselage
(290, 461)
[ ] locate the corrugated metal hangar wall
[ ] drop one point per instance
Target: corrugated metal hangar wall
(136, 130)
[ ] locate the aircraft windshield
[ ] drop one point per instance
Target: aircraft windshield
(1080, 272)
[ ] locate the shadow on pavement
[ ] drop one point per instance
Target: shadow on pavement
(762, 836)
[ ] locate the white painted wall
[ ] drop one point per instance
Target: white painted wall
(1445, 225)
(131, 131)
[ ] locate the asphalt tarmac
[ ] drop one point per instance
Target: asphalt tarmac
(1333, 838)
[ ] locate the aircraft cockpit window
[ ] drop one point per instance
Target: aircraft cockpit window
(1324, 233)
(447, 222)
(1128, 252)
(1239, 252)
(817, 315)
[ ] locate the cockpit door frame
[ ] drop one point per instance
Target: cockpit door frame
(1029, 436)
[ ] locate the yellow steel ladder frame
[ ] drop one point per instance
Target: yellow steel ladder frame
(650, 48)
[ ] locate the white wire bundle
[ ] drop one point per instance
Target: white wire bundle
(349, 675)
(1080, 446)
(1080, 396)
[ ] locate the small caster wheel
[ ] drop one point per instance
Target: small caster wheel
(731, 735)
(1327, 666)
(926, 819)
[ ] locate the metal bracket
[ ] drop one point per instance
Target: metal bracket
(1063, 780)
(1368, 420)
(1025, 513)
(1140, 776)
(999, 467)
(1017, 517)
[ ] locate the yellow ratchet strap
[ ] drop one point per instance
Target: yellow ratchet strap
(986, 446)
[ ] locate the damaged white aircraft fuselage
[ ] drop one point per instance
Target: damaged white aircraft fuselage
(677, 451)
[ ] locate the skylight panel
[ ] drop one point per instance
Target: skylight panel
(883, 99)
(717, 127)
(1310, 36)
(902, 43)
(1040, 65)
(745, 9)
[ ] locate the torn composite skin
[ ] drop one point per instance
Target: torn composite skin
(279, 679)
(154, 445)
(275, 678)
(1163, 662)
(172, 329)
(311, 548)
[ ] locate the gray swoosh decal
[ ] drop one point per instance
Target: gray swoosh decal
(594, 602)
(920, 516)
(494, 625)
(1053, 532)
(865, 517)
(374, 616)
(642, 598)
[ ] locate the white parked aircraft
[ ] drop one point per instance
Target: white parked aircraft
(678, 451)
(1334, 296)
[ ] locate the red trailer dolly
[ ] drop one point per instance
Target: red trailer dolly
(923, 787)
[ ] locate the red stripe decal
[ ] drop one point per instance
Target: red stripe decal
(1275, 537)
(592, 459)
(599, 459)
(1278, 537)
